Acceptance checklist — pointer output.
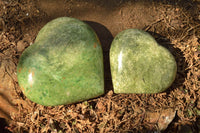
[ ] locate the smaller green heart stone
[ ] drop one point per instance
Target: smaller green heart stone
(64, 65)
(139, 64)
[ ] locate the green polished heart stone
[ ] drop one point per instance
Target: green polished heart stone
(139, 64)
(64, 65)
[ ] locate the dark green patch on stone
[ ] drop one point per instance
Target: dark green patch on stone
(62, 66)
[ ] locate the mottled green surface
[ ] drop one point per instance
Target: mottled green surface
(64, 65)
(139, 64)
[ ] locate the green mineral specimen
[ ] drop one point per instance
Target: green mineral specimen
(139, 64)
(64, 65)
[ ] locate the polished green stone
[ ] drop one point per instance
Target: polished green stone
(64, 65)
(139, 64)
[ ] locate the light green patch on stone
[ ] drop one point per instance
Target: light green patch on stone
(139, 64)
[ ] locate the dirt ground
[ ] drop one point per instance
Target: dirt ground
(174, 24)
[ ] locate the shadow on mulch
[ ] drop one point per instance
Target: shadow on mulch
(188, 6)
(3, 125)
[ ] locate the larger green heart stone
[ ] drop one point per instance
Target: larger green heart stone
(64, 65)
(139, 64)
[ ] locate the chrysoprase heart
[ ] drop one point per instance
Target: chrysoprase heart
(64, 65)
(139, 64)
